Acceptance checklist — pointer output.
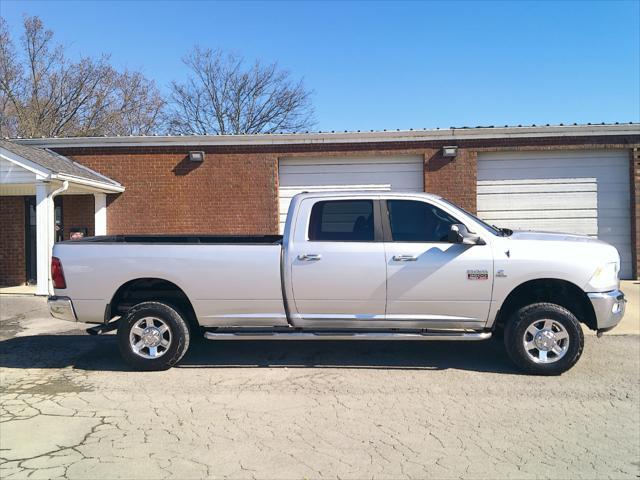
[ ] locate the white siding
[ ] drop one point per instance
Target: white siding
(12, 173)
(584, 192)
(402, 173)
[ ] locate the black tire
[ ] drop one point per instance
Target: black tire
(522, 319)
(179, 336)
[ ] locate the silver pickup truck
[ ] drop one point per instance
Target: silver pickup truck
(350, 266)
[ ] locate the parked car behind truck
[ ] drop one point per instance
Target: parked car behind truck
(352, 266)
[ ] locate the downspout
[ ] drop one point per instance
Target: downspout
(51, 227)
(63, 188)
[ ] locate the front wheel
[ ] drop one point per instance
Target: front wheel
(153, 336)
(544, 339)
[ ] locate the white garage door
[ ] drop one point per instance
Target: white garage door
(584, 192)
(403, 173)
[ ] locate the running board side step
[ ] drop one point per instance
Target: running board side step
(453, 336)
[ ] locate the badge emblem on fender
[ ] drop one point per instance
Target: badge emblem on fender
(477, 275)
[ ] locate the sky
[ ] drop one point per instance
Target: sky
(386, 65)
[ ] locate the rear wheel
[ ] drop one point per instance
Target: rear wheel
(544, 339)
(153, 336)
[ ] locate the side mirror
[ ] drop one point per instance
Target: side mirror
(459, 234)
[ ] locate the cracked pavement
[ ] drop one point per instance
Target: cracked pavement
(69, 408)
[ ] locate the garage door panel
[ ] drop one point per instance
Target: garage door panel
(583, 192)
(577, 159)
(610, 189)
(620, 232)
(395, 179)
(558, 164)
(622, 240)
(524, 201)
(618, 202)
(399, 173)
(359, 168)
(613, 214)
(551, 181)
(310, 162)
(528, 181)
(551, 168)
(549, 174)
(570, 154)
(287, 193)
(534, 213)
(537, 187)
(550, 201)
(581, 226)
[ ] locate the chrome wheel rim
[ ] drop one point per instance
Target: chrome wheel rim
(546, 341)
(150, 337)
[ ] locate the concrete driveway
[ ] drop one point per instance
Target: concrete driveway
(630, 324)
(71, 409)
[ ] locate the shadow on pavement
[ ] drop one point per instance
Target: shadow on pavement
(101, 354)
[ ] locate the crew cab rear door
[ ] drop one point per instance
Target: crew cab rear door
(432, 283)
(337, 261)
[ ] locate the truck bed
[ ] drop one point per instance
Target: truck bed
(229, 280)
(180, 239)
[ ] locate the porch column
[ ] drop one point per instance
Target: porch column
(100, 211)
(43, 253)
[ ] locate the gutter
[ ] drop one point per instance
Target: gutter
(89, 183)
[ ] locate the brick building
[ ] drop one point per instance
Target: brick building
(578, 179)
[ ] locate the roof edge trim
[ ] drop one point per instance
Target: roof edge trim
(448, 135)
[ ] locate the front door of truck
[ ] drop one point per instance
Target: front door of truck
(430, 281)
(337, 264)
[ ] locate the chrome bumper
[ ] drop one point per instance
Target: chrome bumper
(62, 308)
(609, 308)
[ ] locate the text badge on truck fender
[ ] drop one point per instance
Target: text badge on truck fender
(477, 275)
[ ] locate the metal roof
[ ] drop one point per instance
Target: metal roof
(54, 162)
(450, 134)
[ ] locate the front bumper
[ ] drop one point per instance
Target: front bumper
(62, 308)
(609, 308)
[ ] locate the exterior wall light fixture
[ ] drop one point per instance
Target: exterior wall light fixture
(450, 151)
(196, 156)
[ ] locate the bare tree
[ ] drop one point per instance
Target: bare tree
(223, 96)
(43, 93)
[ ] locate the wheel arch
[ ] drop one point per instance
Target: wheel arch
(145, 289)
(552, 290)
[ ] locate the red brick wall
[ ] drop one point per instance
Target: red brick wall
(235, 190)
(166, 193)
(77, 211)
(635, 208)
(12, 242)
(452, 178)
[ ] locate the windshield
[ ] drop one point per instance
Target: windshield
(495, 230)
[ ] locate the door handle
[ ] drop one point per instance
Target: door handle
(405, 258)
(309, 257)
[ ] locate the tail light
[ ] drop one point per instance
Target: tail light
(57, 274)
